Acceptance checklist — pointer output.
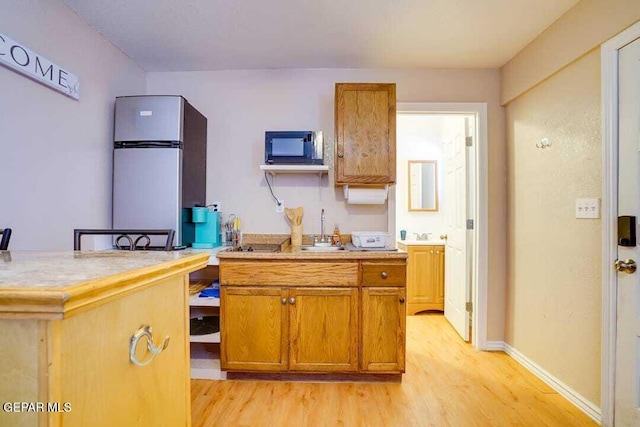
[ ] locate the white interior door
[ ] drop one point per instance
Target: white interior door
(456, 269)
(627, 377)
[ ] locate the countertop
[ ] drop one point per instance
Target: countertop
(421, 242)
(292, 253)
(213, 260)
(51, 284)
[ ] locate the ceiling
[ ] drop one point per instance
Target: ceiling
(185, 35)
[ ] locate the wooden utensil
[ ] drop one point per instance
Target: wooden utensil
(290, 213)
(299, 212)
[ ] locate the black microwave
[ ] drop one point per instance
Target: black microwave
(293, 147)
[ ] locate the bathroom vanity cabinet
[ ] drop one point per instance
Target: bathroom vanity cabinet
(425, 277)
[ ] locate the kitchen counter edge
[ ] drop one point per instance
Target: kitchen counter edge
(58, 302)
(293, 254)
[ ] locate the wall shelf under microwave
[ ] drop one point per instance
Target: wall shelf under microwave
(273, 170)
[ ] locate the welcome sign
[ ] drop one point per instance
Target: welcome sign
(17, 57)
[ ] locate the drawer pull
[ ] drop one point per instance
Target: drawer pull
(292, 300)
(384, 275)
(401, 300)
(145, 331)
(284, 301)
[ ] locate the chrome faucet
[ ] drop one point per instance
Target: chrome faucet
(423, 236)
(322, 220)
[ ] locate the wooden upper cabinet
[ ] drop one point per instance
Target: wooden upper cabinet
(365, 133)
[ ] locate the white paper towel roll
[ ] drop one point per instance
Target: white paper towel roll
(365, 196)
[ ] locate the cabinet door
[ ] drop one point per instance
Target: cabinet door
(365, 120)
(90, 366)
(253, 324)
(438, 275)
(383, 329)
(324, 329)
(425, 285)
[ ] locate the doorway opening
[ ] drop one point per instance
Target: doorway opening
(437, 212)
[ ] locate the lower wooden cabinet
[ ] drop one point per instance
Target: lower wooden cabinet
(295, 329)
(425, 278)
(323, 329)
(383, 329)
(254, 326)
(310, 328)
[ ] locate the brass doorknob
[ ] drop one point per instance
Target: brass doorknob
(626, 266)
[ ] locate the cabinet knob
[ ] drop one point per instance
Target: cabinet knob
(340, 154)
(401, 299)
(292, 300)
(284, 301)
(384, 275)
(145, 332)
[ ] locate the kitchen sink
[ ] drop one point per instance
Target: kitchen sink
(321, 248)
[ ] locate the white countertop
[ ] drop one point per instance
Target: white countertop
(432, 242)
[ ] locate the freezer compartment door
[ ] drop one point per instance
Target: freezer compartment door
(149, 118)
(147, 190)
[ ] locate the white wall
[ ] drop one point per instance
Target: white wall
(420, 137)
(55, 151)
(580, 30)
(553, 90)
(554, 294)
(242, 105)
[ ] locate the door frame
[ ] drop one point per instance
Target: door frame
(609, 73)
(480, 258)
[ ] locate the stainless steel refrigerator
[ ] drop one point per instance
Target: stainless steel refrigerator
(159, 164)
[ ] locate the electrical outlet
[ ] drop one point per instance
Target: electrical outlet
(588, 208)
(280, 206)
(216, 206)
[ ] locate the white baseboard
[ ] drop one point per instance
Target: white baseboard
(494, 346)
(592, 410)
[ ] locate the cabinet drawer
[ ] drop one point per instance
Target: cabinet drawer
(289, 273)
(384, 273)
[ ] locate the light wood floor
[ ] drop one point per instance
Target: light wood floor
(447, 383)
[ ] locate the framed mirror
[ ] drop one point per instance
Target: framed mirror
(423, 186)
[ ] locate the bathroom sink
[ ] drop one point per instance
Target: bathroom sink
(321, 248)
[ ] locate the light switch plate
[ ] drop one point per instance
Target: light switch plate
(587, 208)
